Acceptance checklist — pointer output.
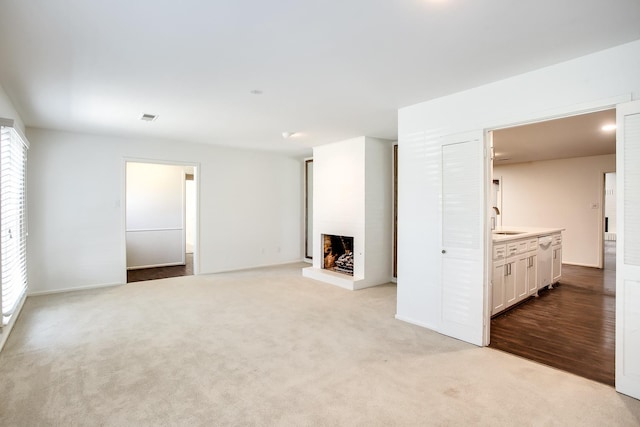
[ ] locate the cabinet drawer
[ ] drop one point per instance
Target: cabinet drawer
(557, 239)
(522, 246)
(518, 247)
(512, 249)
(499, 251)
(533, 244)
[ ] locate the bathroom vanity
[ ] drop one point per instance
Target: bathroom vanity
(525, 259)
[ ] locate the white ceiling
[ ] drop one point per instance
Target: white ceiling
(576, 136)
(329, 69)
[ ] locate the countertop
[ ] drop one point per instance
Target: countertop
(523, 233)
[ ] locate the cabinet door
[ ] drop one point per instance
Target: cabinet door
(510, 294)
(532, 275)
(557, 263)
(520, 271)
(497, 291)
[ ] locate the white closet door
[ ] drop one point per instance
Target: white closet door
(462, 197)
(628, 250)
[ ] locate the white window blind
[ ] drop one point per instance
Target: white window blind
(13, 218)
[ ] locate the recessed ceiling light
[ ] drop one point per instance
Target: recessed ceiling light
(608, 128)
(287, 135)
(256, 92)
(149, 117)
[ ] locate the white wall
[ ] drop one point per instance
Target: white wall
(8, 111)
(190, 214)
(610, 201)
(155, 215)
(563, 193)
(352, 197)
(250, 206)
(570, 86)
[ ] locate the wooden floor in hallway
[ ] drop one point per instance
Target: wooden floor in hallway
(570, 327)
(162, 272)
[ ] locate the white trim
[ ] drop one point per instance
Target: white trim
(123, 210)
(559, 113)
(580, 264)
(12, 124)
(77, 288)
(416, 322)
(233, 270)
(542, 116)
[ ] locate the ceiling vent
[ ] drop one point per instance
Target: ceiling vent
(149, 117)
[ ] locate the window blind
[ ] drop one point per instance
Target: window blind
(13, 219)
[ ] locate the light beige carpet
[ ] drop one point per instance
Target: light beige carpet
(268, 347)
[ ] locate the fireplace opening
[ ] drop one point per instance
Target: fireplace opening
(338, 253)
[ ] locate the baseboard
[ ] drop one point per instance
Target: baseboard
(252, 267)
(78, 288)
(577, 264)
(415, 322)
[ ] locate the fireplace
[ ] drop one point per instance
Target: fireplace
(338, 253)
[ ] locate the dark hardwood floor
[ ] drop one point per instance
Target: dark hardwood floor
(570, 327)
(161, 272)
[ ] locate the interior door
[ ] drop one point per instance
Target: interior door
(628, 250)
(463, 249)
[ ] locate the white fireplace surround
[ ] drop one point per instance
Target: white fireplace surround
(352, 189)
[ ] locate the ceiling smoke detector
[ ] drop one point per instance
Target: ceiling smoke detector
(148, 117)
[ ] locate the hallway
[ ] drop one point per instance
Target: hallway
(143, 274)
(570, 327)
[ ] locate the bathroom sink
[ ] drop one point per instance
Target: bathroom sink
(508, 233)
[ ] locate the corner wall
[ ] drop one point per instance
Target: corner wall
(8, 111)
(250, 207)
(602, 78)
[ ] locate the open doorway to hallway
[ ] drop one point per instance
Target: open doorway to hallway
(551, 174)
(160, 216)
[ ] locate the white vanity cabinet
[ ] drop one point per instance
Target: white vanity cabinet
(515, 272)
(500, 271)
(518, 266)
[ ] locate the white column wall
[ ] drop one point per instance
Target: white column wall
(379, 209)
(352, 197)
(602, 78)
(338, 192)
(249, 207)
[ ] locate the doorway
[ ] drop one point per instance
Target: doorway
(160, 220)
(550, 174)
